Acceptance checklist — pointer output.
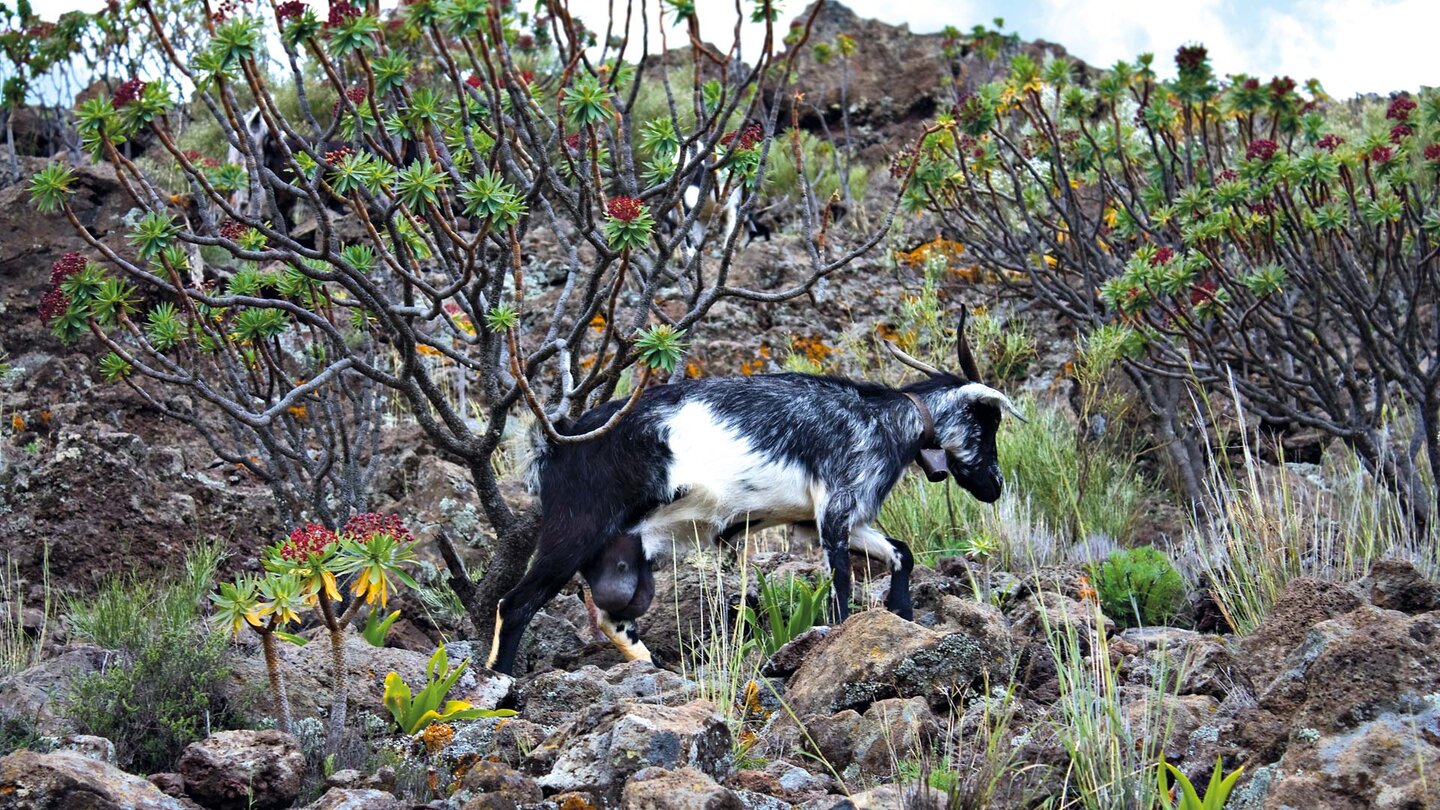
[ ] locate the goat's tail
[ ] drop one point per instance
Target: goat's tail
(536, 453)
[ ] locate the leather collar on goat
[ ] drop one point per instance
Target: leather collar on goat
(931, 457)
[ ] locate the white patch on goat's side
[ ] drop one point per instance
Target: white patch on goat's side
(692, 198)
(722, 479)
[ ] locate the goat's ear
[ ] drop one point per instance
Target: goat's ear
(962, 348)
(984, 393)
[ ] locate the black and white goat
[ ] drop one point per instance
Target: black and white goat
(702, 458)
(707, 196)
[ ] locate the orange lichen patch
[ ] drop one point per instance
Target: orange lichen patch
(437, 736)
(693, 370)
(463, 765)
(45, 417)
(967, 272)
(574, 802)
(1087, 591)
(752, 367)
(752, 704)
(427, 350)
(948, 249)
(813, 349)
(587, 362)
(887, 332)
(297, 411)
(17, 422)
(598, 322)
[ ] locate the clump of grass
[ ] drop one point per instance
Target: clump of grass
(1264, 526)
(164, 687)
(826, 178)
(19, 649)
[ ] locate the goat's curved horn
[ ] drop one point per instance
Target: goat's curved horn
(984, 393)
(962, 348)
(904, 357)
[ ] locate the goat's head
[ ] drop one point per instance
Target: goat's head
(967, 416)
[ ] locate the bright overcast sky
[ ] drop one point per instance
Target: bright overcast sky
(1351, 46)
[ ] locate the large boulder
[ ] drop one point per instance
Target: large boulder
(69, 780)
(244, 770)
(683, 789)
(871, 744)
(876, 655)
(553, 697)
(32, 697)
(1304, 603)
(355, 799)
(604, 745)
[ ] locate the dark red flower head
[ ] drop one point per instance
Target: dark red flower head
(1382, 154)
(127, 92)
(1251, 84)
(1281, 86)
(1191, 57)
(356, 95)
(1400, 108)
(340, 11)
(209, 163)
(191, 155)
(233, 230)
(625, 209)
(65, 267)
(472, 80)
(366, 525)
(572, 142)
(312, 538)
(1261, 149)
(1400, 132)
(1330, 142)
(1161, 256)
(1227, 176)
(527, 77)
(334, 156)
(290, 9)
(1202, 292)
(1432, 153)
(525, 42)
(53, 305)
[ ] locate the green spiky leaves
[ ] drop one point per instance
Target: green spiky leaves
(51, 186)
(661, 347)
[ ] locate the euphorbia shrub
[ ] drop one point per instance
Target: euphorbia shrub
(1242, 240)
(460, 129)
(302, 574)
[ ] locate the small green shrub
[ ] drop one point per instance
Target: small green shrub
(821, 169)
(158, 698)
(413, 712)
(787, 609)
(1215, 795)
(164, 687)
(1139, 586)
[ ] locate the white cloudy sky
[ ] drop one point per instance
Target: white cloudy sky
(1352, 46)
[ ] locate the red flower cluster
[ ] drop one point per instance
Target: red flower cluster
(290, 9)
(127, 92)
(1400, 132)
(356, 95)
(1191, 57)
(54, 303)
(472, 80)
(1382, 154)
(526, 77)
(1251, 84)
(625, 209)
(1400, 108)
(340, 11)
(1330, 142)
(311, 539)
(743, 139)
(1432, 153)
(334, 156)
(1281, 86)
(572, 142)
(525, 42)
(233, 230)
(366, 525)
(191, 155)
(1202, 292)
(209, 163)
(1228, 175)
(1161, 256)
(1261, 149)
